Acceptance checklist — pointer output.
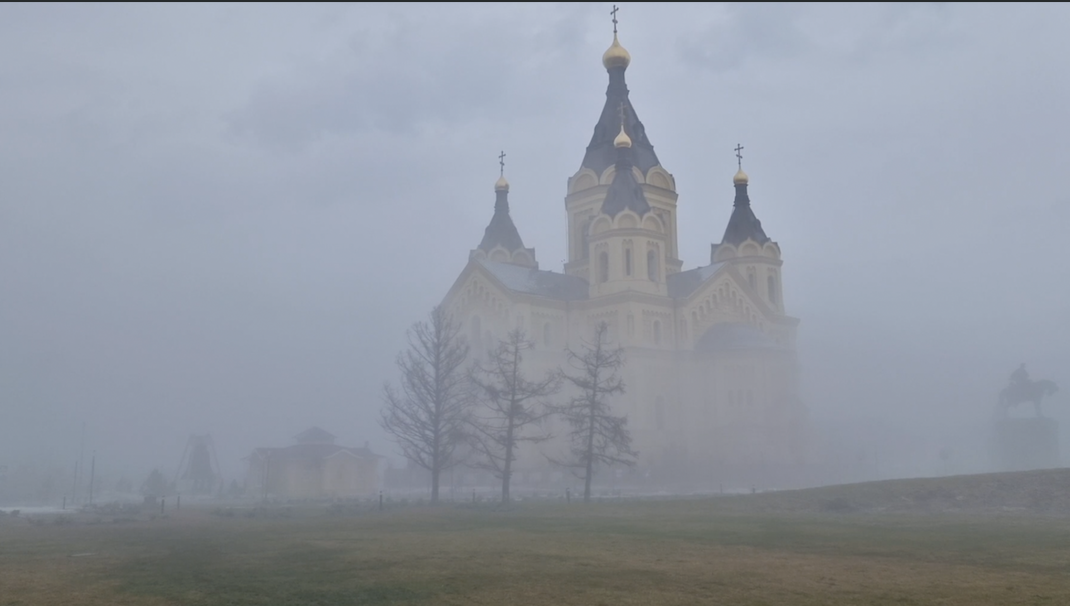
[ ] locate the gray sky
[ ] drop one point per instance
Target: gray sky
(223, 217)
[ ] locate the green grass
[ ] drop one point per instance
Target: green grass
(729, 550)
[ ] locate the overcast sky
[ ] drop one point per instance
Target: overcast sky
(222, 218)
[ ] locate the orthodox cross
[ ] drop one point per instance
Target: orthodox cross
(501, 161)
(614, 13)
(739, 156)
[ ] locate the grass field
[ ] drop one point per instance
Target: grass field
(727, 550)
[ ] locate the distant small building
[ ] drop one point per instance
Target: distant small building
(313, 468)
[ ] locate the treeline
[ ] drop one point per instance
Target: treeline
(449, 409)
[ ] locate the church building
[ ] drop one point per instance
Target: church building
(710, 365)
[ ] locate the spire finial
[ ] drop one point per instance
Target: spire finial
(501, 184)
(741, 177)
(622, 140)
(616, 55)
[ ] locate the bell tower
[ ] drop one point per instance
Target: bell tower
(746, 246)
(644, 248)
(501, 240)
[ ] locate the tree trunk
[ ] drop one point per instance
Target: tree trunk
(434, 485)
(507, 469)
(505, 482)
(590, 459)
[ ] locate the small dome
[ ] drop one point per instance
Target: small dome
(501, 184)
(616, 55)
(740, 178)
(622, 140)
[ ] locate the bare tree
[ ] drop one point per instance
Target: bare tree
(596, 436)
(509, 404)
(428, 415)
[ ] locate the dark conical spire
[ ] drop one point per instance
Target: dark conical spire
(501, 231)
(624, 192)
(600, 153)
(743, 223)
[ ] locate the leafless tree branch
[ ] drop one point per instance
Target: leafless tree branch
(428, 415)
(596, 435)
(509, 405)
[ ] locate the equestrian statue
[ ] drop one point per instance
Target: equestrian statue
(1022, 389)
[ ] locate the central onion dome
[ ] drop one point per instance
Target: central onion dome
(616, 55)
(740, 178)
(622, 140)
(501, 184)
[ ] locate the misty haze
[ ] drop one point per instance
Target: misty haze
(534, 303)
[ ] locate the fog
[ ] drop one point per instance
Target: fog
(222, 218)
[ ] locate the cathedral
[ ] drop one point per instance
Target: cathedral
(710, 365)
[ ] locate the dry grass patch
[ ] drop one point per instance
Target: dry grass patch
(671, 552)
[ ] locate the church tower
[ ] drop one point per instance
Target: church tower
(745, 246)
(711, 372)
(621, 204)
(501, 240)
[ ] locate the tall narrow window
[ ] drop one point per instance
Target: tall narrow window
(476, 333)
(752, 279)
(771, 280)
(603, 267)
(627, 261)
(657, 332)
(652, 265)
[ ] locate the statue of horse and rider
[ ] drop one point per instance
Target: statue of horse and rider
(1022, 389)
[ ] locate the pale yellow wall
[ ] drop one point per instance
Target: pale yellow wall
(586, 193)
(677, 400)
(341, 476)
(348, 476)
(730, 408)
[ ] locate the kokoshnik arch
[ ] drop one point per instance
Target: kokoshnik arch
(710, 368)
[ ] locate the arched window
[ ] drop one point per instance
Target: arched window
(752, 280)
(585, 251)
(657, 332)
(627, 261)
(771, 281)
(546, 334)
(652, 265)
(603, 267)
(475, 330)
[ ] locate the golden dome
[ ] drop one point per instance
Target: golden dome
(622, 140)
(501, 184)
(616, 55)
(741, 178)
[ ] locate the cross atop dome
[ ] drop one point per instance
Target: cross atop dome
(741, 177)
(501, 184)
